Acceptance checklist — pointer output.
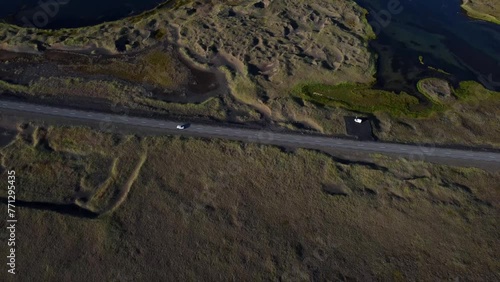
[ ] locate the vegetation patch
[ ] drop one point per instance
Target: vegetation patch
(470, 91)
(157, 68)
(211, 107)
(365, 99)
(75, 87)
(468, 117)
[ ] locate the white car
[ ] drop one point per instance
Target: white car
(181, 126)
(358, 120)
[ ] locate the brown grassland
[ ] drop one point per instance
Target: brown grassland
(217, 210)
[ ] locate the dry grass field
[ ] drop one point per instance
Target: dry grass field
(190, 209)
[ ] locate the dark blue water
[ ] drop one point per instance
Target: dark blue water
(440, 32)
(54, 14)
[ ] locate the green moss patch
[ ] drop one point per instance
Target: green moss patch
(363, 98)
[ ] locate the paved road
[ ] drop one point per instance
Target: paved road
(259, 136)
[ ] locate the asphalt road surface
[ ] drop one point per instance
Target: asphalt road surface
(259, 136)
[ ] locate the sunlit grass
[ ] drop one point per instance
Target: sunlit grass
(363, 98)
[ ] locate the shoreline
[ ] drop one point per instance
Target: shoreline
(475, 14)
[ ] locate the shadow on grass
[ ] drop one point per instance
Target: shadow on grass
(64, 209)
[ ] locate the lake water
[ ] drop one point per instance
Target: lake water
(71, 13)
(437, 31)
